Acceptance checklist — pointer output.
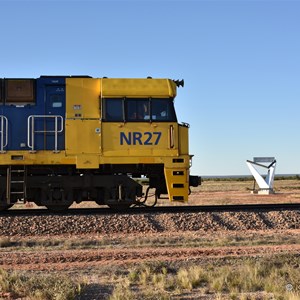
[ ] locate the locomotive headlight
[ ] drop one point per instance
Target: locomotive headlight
(97, 130)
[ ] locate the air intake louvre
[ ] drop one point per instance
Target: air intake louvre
(19, 90)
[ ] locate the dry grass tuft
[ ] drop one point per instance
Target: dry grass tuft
(264, 278)
(17, 285)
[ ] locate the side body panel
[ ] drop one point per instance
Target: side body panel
(51, 96)
(139, 139)
(83, 126)
(31, 125)
(17, 106)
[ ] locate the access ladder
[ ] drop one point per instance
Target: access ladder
(16, 184)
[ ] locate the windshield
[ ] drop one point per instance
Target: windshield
(138, 110)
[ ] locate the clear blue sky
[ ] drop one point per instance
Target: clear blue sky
(240, 61)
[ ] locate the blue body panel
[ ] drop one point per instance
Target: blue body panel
(17, 125)
(50, 100)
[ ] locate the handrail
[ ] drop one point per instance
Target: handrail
(31, 129)
(171, 137)
(3, 133)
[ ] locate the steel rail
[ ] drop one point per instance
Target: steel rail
(157, 209)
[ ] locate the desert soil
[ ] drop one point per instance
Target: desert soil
(122, 241)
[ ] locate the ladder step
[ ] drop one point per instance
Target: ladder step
(17, 192)
(22, 181)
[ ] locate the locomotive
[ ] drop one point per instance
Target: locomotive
(66, 139)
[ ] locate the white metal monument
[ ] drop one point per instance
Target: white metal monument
(265, 184)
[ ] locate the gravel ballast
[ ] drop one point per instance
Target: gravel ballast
(147, 223)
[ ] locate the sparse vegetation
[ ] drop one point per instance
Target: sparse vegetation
(17, 285)
(266, 278)
(142, 241)
(243, 184)
(275, 277)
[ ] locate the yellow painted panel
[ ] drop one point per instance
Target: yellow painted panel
(35, 158)
(87, 161)
(139, 139)
(138, 87)
(90, 160)
(82, 98)
(82, 136)
(130, 160)
(183, 139)
(177, 185)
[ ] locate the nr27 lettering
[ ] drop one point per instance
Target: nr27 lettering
(140, 138)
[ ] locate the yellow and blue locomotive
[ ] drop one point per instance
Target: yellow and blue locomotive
(78, 138)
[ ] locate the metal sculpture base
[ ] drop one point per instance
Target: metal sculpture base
(263, 192)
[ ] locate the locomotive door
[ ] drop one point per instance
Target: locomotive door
(55, 107)
(49, 127)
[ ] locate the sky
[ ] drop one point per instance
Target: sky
(240, 61)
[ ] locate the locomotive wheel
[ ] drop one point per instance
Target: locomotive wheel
(57, 208)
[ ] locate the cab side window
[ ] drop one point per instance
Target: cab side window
(163, 110)
(113, 109)
(137, 110)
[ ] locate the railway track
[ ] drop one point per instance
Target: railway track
(158, 209)
(105, 221)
